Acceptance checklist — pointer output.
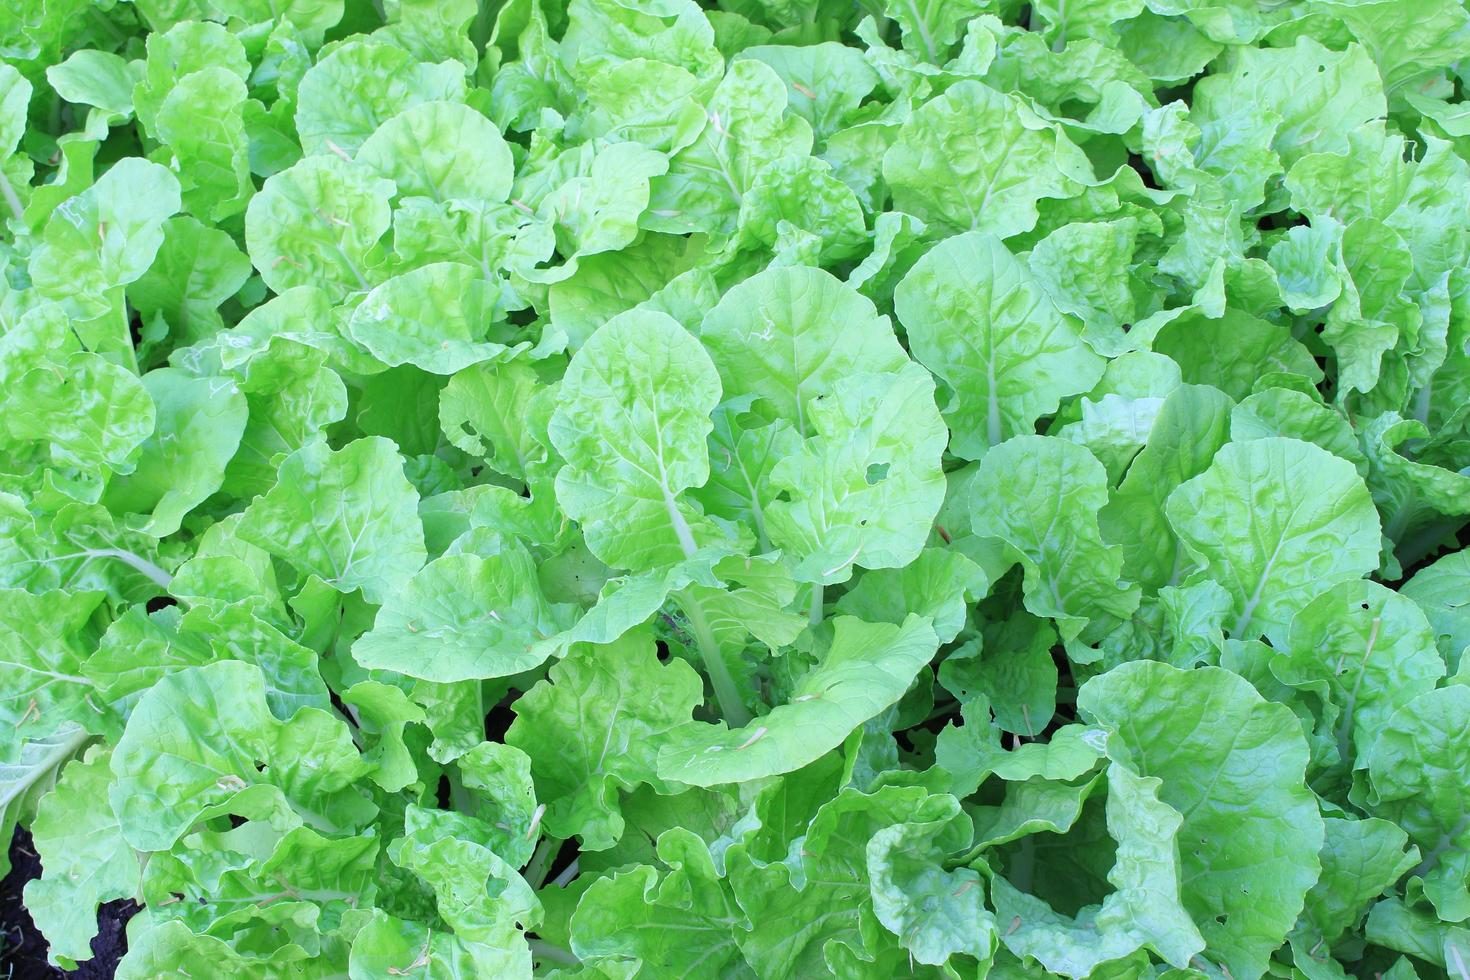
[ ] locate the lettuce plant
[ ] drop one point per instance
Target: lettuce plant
(740, 489)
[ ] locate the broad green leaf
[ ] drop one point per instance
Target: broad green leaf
(1085, 267)
(802, 912)
(290, 328)
(478, 895)
(1031, 806)
(1068, 22)
(1364, 652)
(106, 236)
(787, 336)
(868, 667)
(319, 224)
(195, 271)
(1408, 767)
(383, 712)
(1442, 590)
(96, 78)
(463, 617)
(1408, 50)
(930, 28)
(939, 584)
(977, 318)
(1192, 424)
(803, 213)
(1361, 859)
(438, 318)
(598, 208)
(1230, 353)
(631, 420)
(624, 602)
(499, 777)
(43, 640)
(1234, 22)
(1232, 765)
(665, 921)
(33, 338)
(825, 83)
(593, 727)
(496, 239)
(15, 96)
(1115, 418)
(349, 93)
(85, 859)
(1413, 497)
(389, 946)
(199, 422)
(1318, 96)
(746, 126)
(292, 395)
(202, 738)
(896, 246)
(434, 31)
(601, 32)
(608, 283)
(202, 121)
(178, 51)
(172, 946)
(975, 159)
(1014, 670)
(95, 414)
(397, 405)
(1394, 924)
(289, 884)
(1041, 498)
(482, 411)
(935, 912)
(1372, 312)
(28, 772)
(643, 101)
(442, 151)
(347, 516)
(1145, 910)
(83, 549)
(1304, 266)
(1295, 415)
(1275, 521)
(753, 604)
(865, 487)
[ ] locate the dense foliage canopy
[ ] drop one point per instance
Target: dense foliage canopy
(767, 489)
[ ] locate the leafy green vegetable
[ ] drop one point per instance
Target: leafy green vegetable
(867, 668)
(737, 488)
(1232, 765)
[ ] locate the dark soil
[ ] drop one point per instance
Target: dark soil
(23, 949)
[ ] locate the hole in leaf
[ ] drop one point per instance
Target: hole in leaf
(877, 473)
(159, 602)
(498, 720)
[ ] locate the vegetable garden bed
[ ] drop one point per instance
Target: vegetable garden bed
(747, 489)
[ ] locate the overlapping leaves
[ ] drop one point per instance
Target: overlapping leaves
(740, 489)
